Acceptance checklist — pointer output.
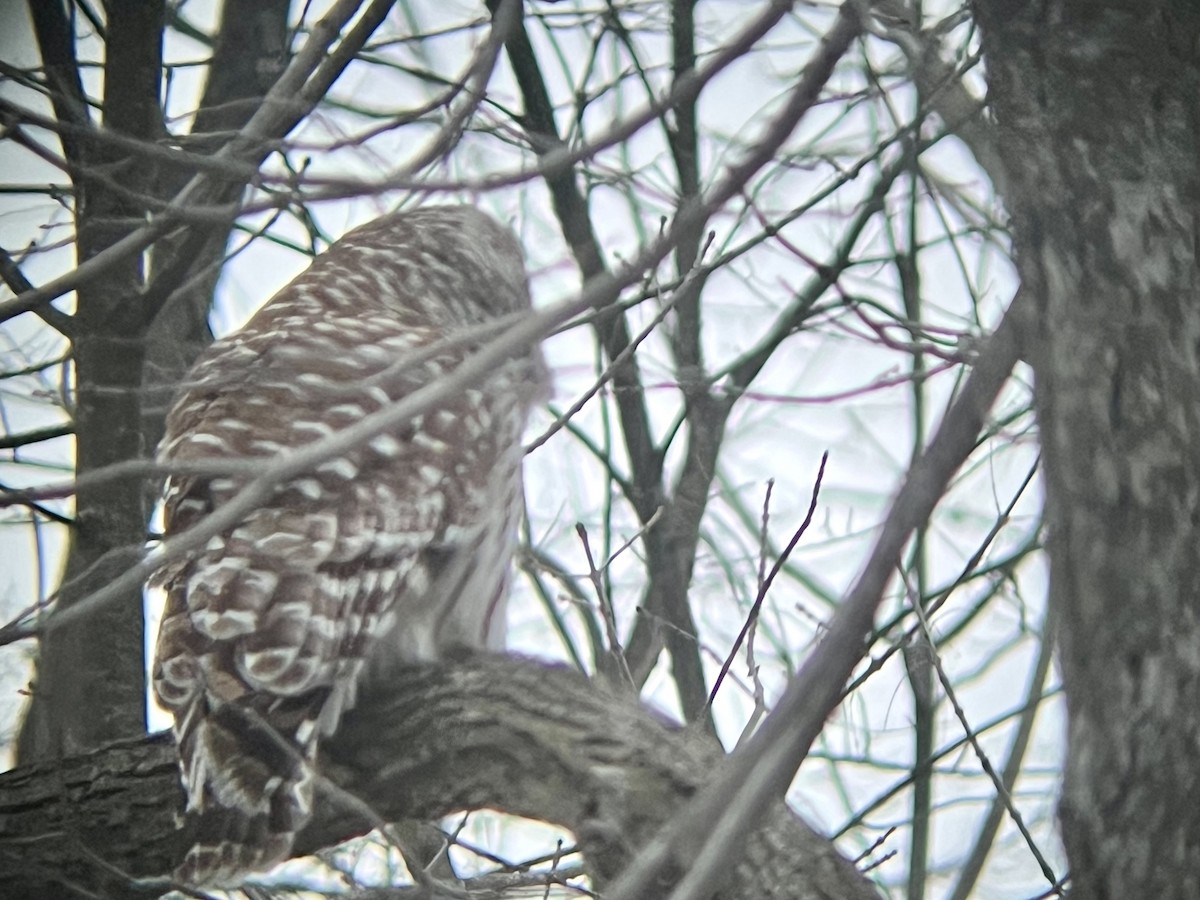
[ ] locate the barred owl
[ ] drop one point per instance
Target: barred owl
(393, 552)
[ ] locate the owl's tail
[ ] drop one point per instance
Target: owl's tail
(249, 777)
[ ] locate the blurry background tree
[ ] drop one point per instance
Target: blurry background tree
(759, 232)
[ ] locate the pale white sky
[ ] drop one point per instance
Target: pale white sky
(796, 413)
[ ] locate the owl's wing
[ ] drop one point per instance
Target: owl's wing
(267, 624)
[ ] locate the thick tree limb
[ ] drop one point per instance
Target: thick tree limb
(491, 732)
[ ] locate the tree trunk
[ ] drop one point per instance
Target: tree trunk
(1096, 109)
(132, 343)
(90, 685)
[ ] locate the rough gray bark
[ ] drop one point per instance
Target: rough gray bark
(89, 692)
(134, 334)
(491, 732)
(1096, 111)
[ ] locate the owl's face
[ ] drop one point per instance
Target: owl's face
(445, 252)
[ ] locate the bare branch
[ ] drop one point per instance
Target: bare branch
(710, 832)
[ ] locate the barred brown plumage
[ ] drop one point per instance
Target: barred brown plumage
(392, 552)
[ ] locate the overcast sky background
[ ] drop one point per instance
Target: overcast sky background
(819, 393)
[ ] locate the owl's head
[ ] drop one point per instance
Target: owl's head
(448, 263)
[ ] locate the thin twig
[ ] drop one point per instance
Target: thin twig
(765, 584)
(606, 609)
(997, 782)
